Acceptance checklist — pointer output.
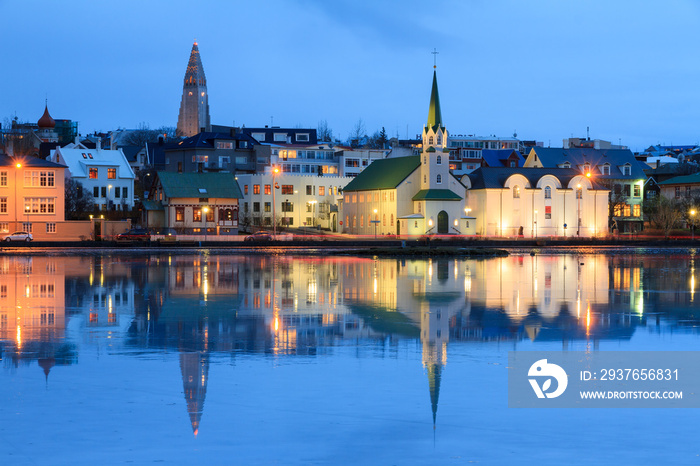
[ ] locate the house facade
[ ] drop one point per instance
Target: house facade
(532, 202)
(104, 173)
(194, 203)
(615, 169)
(32, 197)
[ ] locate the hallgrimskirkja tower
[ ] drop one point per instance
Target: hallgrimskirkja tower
(194, 107)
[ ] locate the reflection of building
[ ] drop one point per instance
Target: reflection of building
(195, 373)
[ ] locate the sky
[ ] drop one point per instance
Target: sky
(546, 70)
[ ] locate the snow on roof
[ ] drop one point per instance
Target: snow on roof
(79, 160)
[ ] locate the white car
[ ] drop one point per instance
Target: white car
(18, 236)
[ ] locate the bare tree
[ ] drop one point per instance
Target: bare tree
(78, 201)
(358, 133)
(144, 134)
(664, 213)
(323, 132)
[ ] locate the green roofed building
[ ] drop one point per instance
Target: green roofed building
(189, 203)
(413, 195)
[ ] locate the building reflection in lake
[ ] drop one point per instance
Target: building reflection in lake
(284, 306)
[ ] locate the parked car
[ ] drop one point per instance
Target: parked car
(259, 236)
(18, 236)
(135, 234)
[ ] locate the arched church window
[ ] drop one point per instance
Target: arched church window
(439, 159)
(547, 192)
(439, 139)
(430, 141)
(516, 192)
(439, 179)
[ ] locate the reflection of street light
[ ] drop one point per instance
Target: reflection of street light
(313, 212)
(535, 222)
(692, 224)
(275, 171)
(205, 210)
(296, 200)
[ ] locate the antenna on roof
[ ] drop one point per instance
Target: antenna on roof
(435, 54)
(588, 133)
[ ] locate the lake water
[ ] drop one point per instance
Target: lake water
(201, 358)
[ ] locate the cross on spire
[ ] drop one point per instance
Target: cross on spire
(435, 54)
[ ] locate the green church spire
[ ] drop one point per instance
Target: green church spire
(434, 114)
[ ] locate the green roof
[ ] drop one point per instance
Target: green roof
(436, 195)
(434, 113)
(685, 179)
(384, 174)
(218, 185)
(152, 205)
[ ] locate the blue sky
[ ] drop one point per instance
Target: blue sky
(546, 69)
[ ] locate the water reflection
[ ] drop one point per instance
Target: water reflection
(283, 306)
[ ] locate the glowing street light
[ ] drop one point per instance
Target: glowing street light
(375, 221)
(275, 171)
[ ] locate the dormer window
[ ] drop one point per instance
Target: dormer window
(84, 155)
(626, 170)
(566, 165)
(586, 167)
(605, 169)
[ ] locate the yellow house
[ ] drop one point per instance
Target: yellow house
(31, 196)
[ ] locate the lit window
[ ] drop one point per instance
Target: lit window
(112, 173)
(516, 192)
(93, 173)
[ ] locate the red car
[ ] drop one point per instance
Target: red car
(135, 234)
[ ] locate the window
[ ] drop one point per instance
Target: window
(548, 192)
(548, 212)
(651, 194)
(92, 173)
(626, 170)
(4, 227)
(50, 228)
(321, 190)
(678, 192)
(27, 226)
(287, 206)
(308, 190)
(245, 189)
(125, 193)
(687, 191)
(605, 169)
(303, 137)
(3, 205)
(439, 179)
(245, 207)
(425, 160)
(627, 210)
(636, 210)
(256, 189)
(117, 192)
(626, 190)
(439, 159)
(516, 192)
(425, 179)
(197, 214)
(637, 190)
(268, 207)
(268, 189)
(287, 189)
(352, 162)
(384, 220)
(362, 221)
(439, 139)
(210, 215)
(3, 178)
(430, 140)
(280, 137)
(224, 145)
(579, 193)
(111, 173)
(103, 191)
(256, 207)
(179, 214)
(96, 191)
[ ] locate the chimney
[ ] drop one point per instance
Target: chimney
(111, 141)
(160, 140)
(98, 144)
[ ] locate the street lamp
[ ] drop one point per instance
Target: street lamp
(692, 224)
(205, 211)
(275, 171)
(17, 228)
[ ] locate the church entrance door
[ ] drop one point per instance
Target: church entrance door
(443, 223)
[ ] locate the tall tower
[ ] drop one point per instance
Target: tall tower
(194, 107)
(435, 159)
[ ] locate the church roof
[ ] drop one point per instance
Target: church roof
(199, 185)
(384, 174)
(46, 121)
(496, 177)
(436, 195)
(434, 113)
(195, 71)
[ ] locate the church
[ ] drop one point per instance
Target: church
(414, 195)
